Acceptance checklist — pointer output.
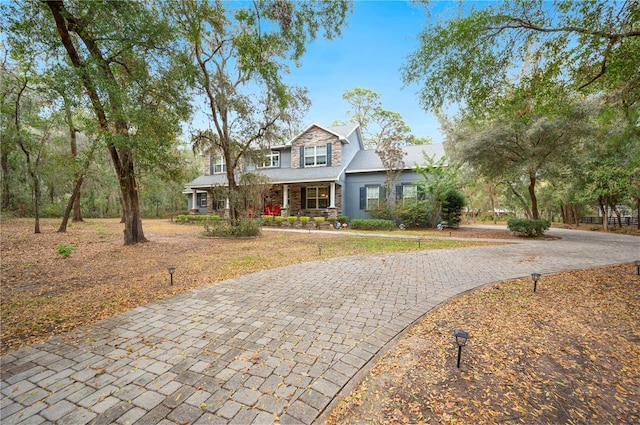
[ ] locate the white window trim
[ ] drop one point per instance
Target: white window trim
(269, 160)
(219, 162)
(315, 155)
(367, 198)
(317, 198)
(412, 198)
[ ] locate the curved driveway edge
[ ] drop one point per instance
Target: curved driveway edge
(274, 346)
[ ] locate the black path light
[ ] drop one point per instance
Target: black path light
(535, 277)
(638, 266)
(419, 240)
(461, 340)
(319, 249)
(171, 270)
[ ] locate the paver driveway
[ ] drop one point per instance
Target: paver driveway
(270, 346)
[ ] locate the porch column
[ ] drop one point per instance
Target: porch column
(194, 203)
(227, 209)
(285, 196)
(332, 195)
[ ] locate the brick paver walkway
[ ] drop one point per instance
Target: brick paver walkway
(273, 346)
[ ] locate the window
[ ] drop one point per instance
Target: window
(409, 193)
(272, 160)
(317, 197)
(203, 200)
(373, 197)
(218, 165)
(315, 155)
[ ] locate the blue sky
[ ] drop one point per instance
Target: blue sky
(372, 49)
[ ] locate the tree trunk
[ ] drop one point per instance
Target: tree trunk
(6, 191)
(532, 195)
(36, 202)
(638, 211)
(72, 202)
(605, 213)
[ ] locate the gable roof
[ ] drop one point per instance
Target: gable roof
(368, 160)
(342, 132)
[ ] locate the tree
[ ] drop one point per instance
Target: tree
(125, 58)
(590, 45)
(521, 141)
(439, 178)
(452, 206)
(241, 54)
(383, 130)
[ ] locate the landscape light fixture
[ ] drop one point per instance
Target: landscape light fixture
(319, 249)
(419, 240)
(461, 340)
(171, 270)
(638, 266)
(535, 277)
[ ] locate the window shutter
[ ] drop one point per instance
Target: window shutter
(382, 194)
(301, 156)
(328, 154)
(303, 198)
(398, 192)
(211, 164)
(363, 198)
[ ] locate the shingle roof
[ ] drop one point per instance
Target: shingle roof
(276, 176)
(368, 160)
(342, 131)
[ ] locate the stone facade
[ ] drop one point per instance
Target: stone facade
(295, 200)
(316, 137)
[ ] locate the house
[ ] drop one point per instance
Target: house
(323, 171)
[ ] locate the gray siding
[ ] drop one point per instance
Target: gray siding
(355, 181)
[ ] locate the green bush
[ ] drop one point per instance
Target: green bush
(292, 220)
(196, 219)
(343, 219)
(304, 220)
(279, 220)
(415, 214)
(372, 224)
(527, 227)
(223, 229)
(318, 221)
(65, 250)
(452, 206)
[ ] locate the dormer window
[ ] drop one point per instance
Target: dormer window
(272, 160)
(315, 155)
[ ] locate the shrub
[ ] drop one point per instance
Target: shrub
(304, 220)
(372, 224)
(343, 219)
(332, 221)
(292, 220)
(318, 221)
(65, 250)
(452, 206)
(279, 219)
(415, 214)
(528, 227)
(223, 229)
(266, 220)
(196, 219)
